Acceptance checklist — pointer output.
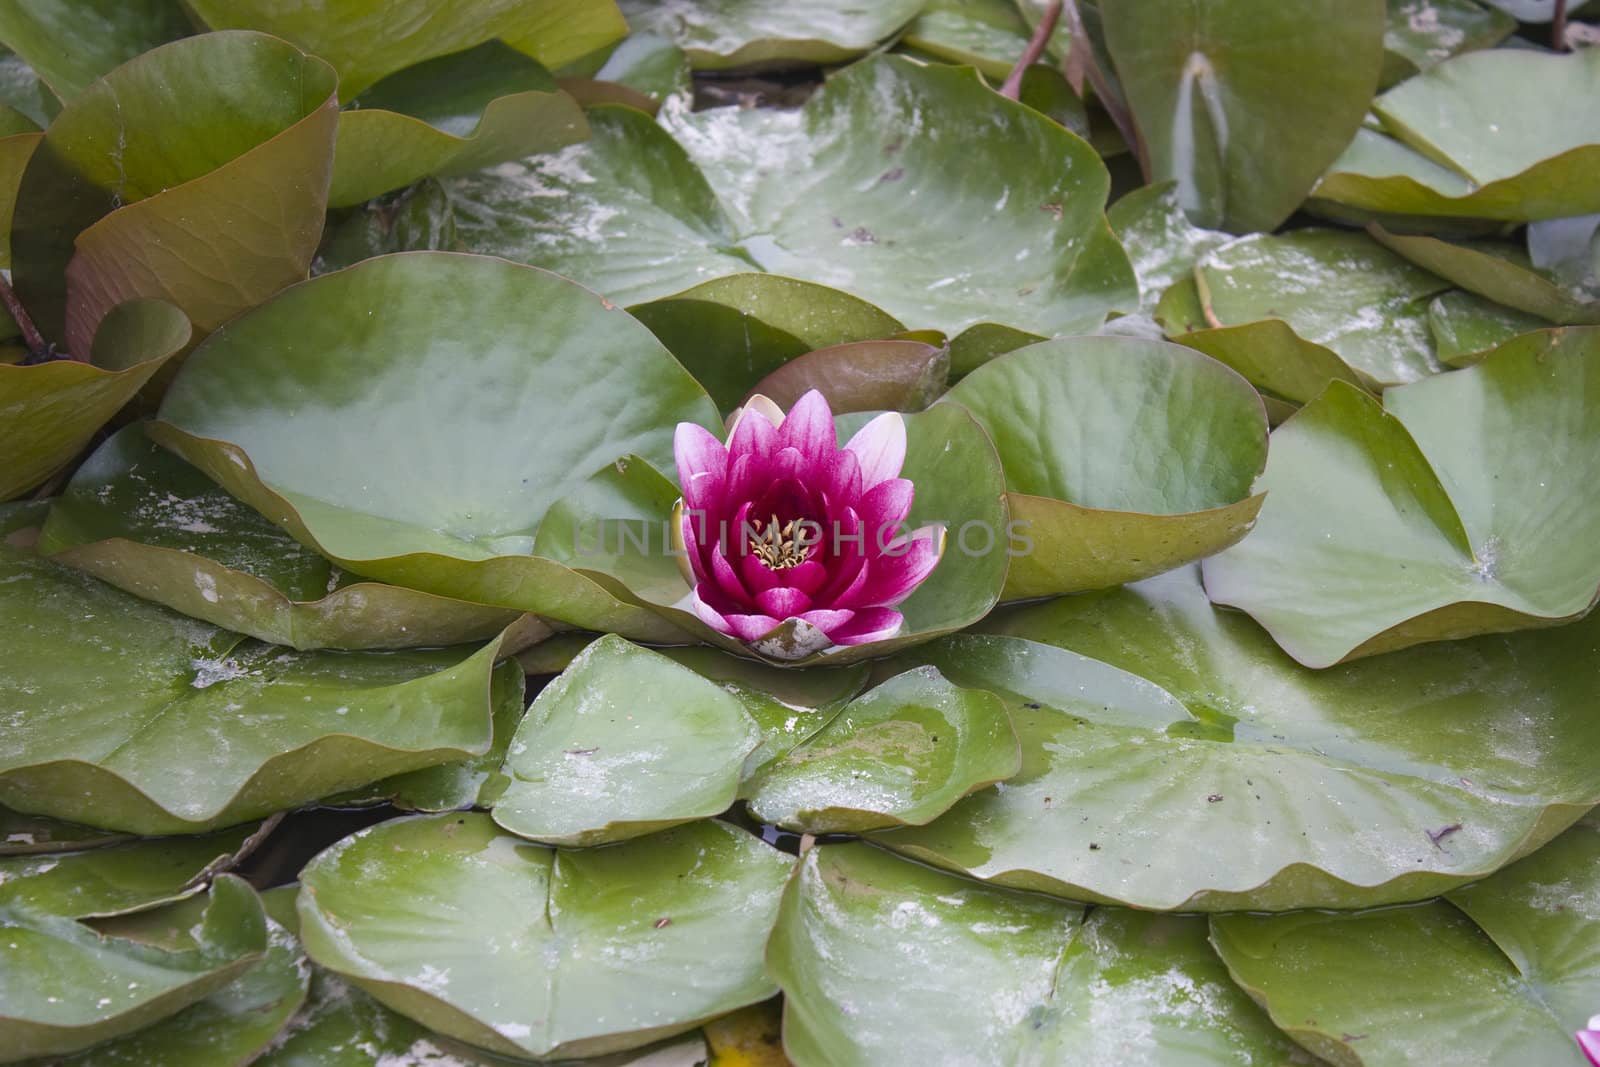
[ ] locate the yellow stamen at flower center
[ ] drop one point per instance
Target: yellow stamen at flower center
(787, 546)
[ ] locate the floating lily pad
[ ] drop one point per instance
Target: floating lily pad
(649, 64)
(1460, 506)
(988, 34)
(367, 40)
(1461, 141)
(1240, 105)
(139, 517)
(129, 716)
(525, 950)
(1087, 511)
(1163, 244)
(899, 756)
(71, 43)
(1512, 978)
(1421, 34)
(884, 962)
(216, 203)
(436, 489)
(50, 411)
(1495, 273)
(64, 986)
(450, 115)
(1197, 767)
(625, 742)
(723, 34)
(1466, 327)
(864, 376)
(23, 835)
(613, 530)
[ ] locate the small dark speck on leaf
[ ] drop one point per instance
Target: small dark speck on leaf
(1213, 798)
(1094, 846)
(893, 175)
(893, 146)
(608, 305)
(580, 751)
(862, 236)
(1439, 835)
(1032, 705)
(663, 922)
(1053, 209)
(838, 223)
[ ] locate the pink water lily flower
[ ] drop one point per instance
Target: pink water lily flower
(791, 543)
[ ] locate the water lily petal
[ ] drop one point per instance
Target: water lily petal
(702, 466)
(757, 576)
(781, 601)
(758, 405)
(828, 620)
(880, 446)
(891, 577)
(872, 624)
(708, 614)
(809, 428)
(727, 578)
(843, 485)
(752, 437)
(751, 627)
(692, 561)
(809, 577)
(883, 508)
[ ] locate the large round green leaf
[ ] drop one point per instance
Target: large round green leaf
(625, 742)
(526, 950)
(1091, 510)
(884, 963)
(366, 40)
(1462, 506)
(1197, 767)
(196, 174)
(1509, 980)
(64, 986)
(139, 517)
(1241, 104)
(720, 34)
(126, 715)
(899, 756)
(1161, 241)
(468, 395)
(71, 43)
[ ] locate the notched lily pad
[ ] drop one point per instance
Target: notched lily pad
(1089, 512)
(529, 951)
(625, 742)
(1461, 506)
(900, 755)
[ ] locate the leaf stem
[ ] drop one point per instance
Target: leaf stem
(1012, 88)
(1081, 56)
(1558, 27)
(38, 349)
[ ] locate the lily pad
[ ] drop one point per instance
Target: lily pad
(625, 742)
(988, 34)
(216, 203)
(71, 43)
(367, 40)
(139, 517)
(1421, 34)
(65, 987)
(1089, 512)
(615, 531)
(529, 951)
(1197, 767)
(722, 34)
(1163, 244)
(1506, 968)
(17, 144)
(899, 756)
(894, 375)
(436, 490)
(1461, 506)
(884, 962)
(450, 115)
(129, 716)
(1495, 273)
(1466, 327)
(1460, 141)
(23, 835)
(50, 411)
(1238, 103)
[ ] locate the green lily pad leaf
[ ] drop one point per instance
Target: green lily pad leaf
(1342, 292)
(22, 90)
(50, 411)
(450, 115)
(139, 517)
(367, 40)
(863, 376)
(1197, 767)
(884, 962)
(555, 653)
(435, 490)
(525, 950)
(128, 716)
(71, 43)
(1432, 517)
(65, 986)
(217, 203)
(17, 146)
(625, 742)
(232, 1026)
(1238, 103)
(117, 879)
(1511, 979)
(725, 34)
(1466, 327)
(734, 333)
(1461, 141)
(1495, 273)
(1163, 244)
(649, 64)
(24, 835)
(988, 34)
(899, 756)
(1421, 34)
(1087, 512)
(616, 531)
